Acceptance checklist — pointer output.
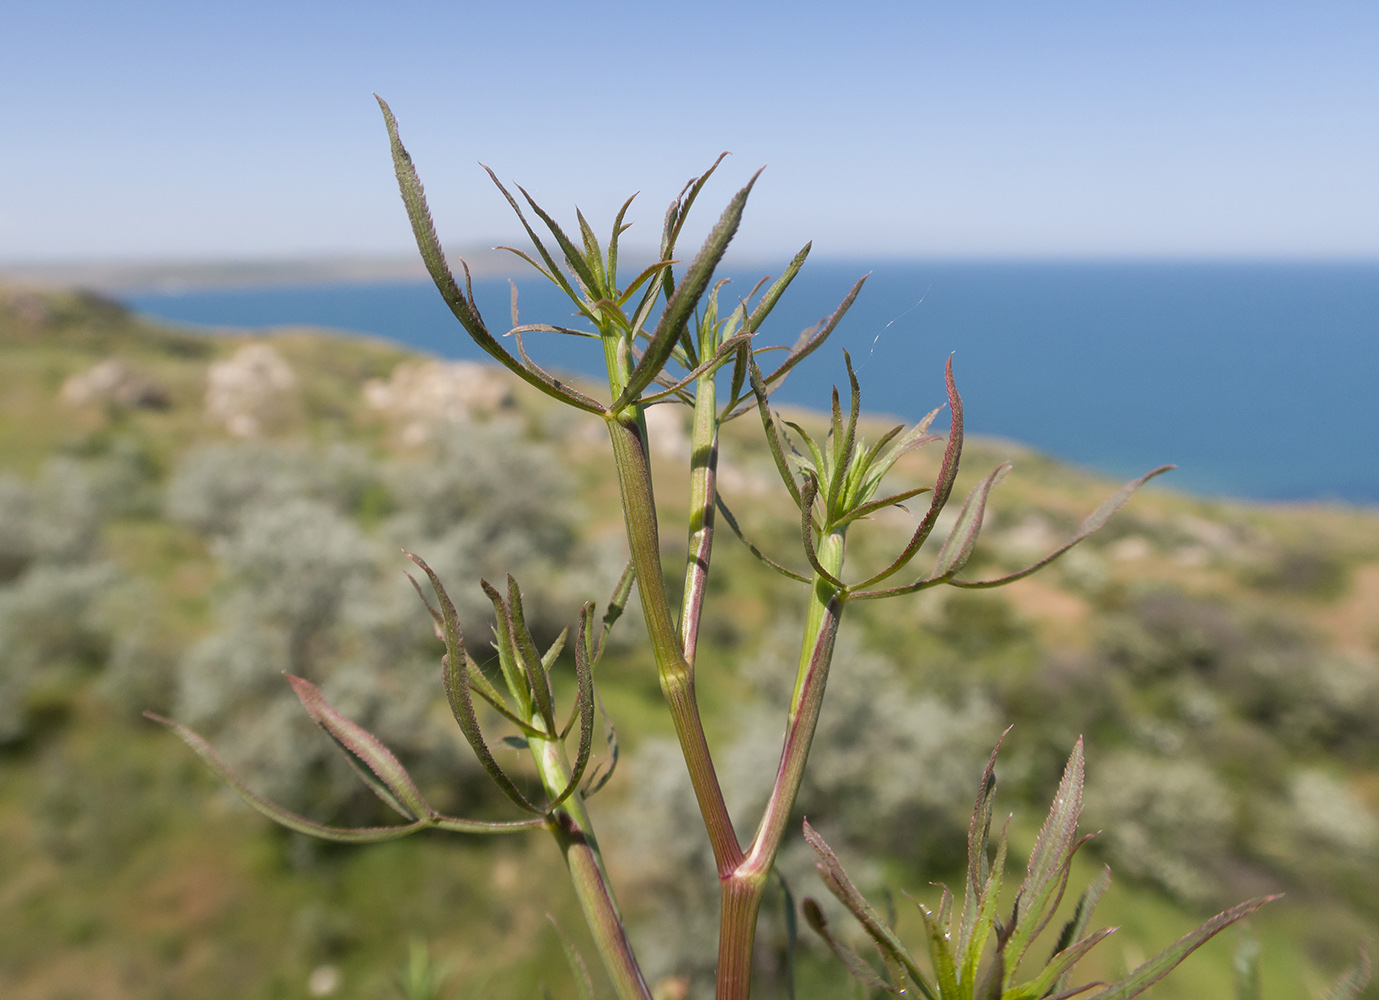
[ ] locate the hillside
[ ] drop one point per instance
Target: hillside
(184, 517)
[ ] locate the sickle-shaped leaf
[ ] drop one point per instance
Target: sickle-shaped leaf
(275, 812)
(356, 740)
(957, 547)
(1167, 960)
(943, 487)
(1094, 522)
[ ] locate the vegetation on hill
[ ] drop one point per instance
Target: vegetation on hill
(183, 518)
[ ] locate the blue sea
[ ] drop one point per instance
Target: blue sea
(1259, 380)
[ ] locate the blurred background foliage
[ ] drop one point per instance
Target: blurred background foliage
(184, 518)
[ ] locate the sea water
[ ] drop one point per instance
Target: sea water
(1259, 380)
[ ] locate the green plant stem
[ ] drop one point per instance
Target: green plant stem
(569, 824)
(743, 890)
(703, 488)
(633, 461)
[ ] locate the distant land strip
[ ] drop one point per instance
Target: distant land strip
(203, 274)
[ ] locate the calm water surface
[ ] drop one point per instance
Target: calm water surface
(1257, 380)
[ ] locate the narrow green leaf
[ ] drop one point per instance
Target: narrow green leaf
(1076, 928)
(584, 700)
(894, 500)
(974, 943)
(768, 301)
(414, 198)
(1167, 960)
(455, 671)
(573, 257)
(943, 487)
(940, 952)
(856, 966)
(841, 886)
(552, 269)
(622, 590)
(599, 777)
(638, 282)
(530, 660)
(679, 211)
(751, 547)
(1355, 979)
(978, 839)
(584, 985)
(811, 490)
(773, 436)
(593, 258)
(810, 340)
(517, 331)
(618, 230)
(848, 445)
(1061, 965)
(726, 351)
(1048, 867)
(480, 684)
(685, 298)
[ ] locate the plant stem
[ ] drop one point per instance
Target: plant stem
(743, 890)
(703, 487)
(569, 824)
(628, 433)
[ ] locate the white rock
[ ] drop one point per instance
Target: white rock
(250, 391)
(421, 394)
(112, 381)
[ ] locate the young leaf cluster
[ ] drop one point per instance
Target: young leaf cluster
(975, 954)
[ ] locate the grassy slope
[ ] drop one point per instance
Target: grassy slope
(125, 873)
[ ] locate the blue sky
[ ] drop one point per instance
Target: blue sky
(143, 129)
